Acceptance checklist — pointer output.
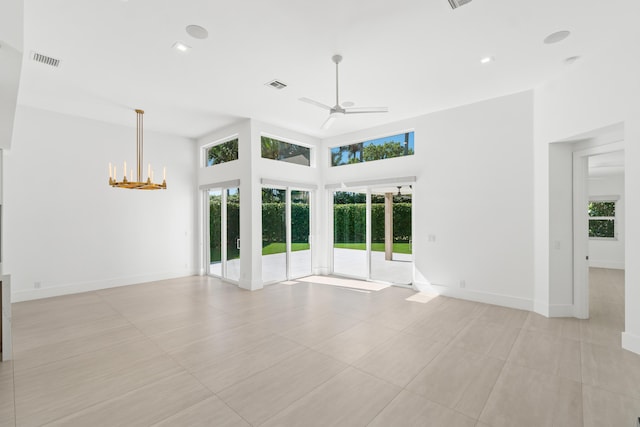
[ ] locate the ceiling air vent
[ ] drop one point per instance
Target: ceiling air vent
(44, 59)
(457, 3)
(276, 84)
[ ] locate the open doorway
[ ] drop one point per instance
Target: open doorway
(606, 231)
(598, 235)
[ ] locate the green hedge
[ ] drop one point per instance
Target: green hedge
(233, 225)
(349, 223)
(273, 227)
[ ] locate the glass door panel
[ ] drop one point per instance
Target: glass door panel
(274, 235)
(391, 258)
(350, 233)
(300, 257)
(215, 232)
(233, 234)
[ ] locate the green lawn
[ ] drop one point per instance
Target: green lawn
(399, 248)
(278, 248)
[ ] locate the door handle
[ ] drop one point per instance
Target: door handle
(237, 243)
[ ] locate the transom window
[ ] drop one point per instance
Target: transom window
(222, 152)
(602, 219)
(285, 151)
(375, 149)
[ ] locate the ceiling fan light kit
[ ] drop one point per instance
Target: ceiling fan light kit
(339, 110)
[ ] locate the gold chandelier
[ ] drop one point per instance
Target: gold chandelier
(138, 184)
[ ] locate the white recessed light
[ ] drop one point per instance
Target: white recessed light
(487, 59)
(181, 46)
(197, 32)
(556, 37)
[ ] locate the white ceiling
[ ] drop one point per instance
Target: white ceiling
(414, 56)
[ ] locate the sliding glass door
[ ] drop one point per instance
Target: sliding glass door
(350, 233)
(390, 255)
(372, 234)
(274, 235)
(224, 232)
(300, 254)
(286, 248)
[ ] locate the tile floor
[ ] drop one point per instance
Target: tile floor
(195, 351)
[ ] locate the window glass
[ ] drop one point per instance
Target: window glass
(222, 153)
(279, 150)
(374, 149)
(602, 218)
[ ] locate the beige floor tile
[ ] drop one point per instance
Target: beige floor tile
(409, 409)
(39, 311)
(203, 353)
(230, 370)
(492, 339)
(289, 319)
(59, 350)
(399, 359)
(209, 412)
(549, 354)
(27, 338)
(402, 316)
(561, 327)
(200, 314)
(612, 369)
(352, 344)
(266, 393)
(58, 389)
(606, 409)
(143, 406)
(524, 397)
(504, 316)
(595, 333)
(351, 398)
(459, 379)
(177, 338)
(7, 405)
(442, 325)
(321, 329)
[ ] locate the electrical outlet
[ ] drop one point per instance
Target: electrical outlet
(36, 285)
(431, 237)
(463, 283)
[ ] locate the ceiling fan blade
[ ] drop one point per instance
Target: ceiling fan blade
(327, 123)
(316, 103)
(361, 110)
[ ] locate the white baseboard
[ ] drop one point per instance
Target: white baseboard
(631, 342)
(541, 308)
(484, 297)
(75, 288)
(606, 264)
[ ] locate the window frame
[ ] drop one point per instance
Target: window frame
(614, 218)
(207, 147)
(289, 141)
(368, 140)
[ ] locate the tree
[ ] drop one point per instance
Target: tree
(385, 151)
(225, 152)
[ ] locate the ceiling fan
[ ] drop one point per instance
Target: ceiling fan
(338, 110)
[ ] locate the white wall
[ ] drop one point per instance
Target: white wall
(68, 230)
(596, 92)
(474, 192)
(609, 253)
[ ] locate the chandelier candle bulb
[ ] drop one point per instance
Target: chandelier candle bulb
(110, 171)
(164, 173)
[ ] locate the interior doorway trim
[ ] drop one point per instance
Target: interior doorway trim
(581, 224)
